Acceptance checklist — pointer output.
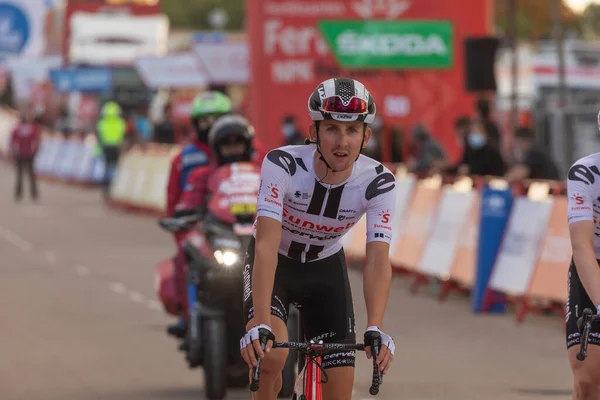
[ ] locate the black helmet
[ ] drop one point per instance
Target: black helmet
(231, 129)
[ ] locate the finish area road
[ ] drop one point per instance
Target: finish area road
(80, 319)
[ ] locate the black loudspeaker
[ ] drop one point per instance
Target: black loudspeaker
(480, 58)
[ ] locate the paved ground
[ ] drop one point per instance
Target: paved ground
(80, 320)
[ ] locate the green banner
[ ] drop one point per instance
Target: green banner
(390, 44)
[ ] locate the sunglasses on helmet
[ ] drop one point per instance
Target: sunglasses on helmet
(335, 105)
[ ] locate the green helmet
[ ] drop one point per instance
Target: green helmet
(111, 109)
(206, 108)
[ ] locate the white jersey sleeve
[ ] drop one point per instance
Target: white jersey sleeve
(274, 184)
(381, 204)
(580, 192)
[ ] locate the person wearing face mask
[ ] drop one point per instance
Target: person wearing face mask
(290, 131)
(532, 162)
(481, 159)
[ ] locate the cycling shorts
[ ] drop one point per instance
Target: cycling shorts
(321, 292)
(577, 301)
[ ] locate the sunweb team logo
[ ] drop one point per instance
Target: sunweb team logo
(15, 29)
(385, 216)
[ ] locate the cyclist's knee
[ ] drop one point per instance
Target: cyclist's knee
(586, 374)
(273, 363)
(586, 387)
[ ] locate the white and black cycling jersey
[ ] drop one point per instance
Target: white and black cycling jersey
(315, 216)
(583, 190)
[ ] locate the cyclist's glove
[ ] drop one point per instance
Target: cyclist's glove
(257, 333)
(373, 332)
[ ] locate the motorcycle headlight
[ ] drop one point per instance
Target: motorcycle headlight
(226, 258)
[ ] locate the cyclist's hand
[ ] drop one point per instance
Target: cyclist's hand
(250, 344)
(386, 350)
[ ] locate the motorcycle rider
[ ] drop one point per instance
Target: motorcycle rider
(206, 108)
(231, 139)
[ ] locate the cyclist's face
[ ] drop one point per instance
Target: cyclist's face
(341, 142)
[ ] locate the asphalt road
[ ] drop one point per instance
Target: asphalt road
(80, 320)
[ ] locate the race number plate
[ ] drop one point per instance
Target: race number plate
(242, 208)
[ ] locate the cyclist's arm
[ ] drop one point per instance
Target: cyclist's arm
(273, 187)
(581, 229)
(376, 282)
(378, 271)
(268, 236)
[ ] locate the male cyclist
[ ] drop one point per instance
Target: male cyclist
(583, 190)
(206, 108)
(309, 198)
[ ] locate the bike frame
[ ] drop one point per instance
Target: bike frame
(312, 379)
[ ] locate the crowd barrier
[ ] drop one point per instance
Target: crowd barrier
(71, 160)
(437, 236)
(438, 225)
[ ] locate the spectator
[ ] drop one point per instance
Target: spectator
(483, 113)
(427, 154)
(479, 158)
(110, 131)
(289, 128)
(142, 125)
(397, 146)
(164, 131)
(532, 161)
(24, 144)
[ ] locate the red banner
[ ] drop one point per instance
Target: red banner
(289, 58)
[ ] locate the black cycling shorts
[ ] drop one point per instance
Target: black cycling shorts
(577, 301)
(321, 292)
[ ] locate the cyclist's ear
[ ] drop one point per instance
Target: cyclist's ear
(312, 132)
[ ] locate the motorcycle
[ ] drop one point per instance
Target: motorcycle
(215, 244)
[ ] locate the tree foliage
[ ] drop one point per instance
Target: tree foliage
(193, 14)
(534, 19)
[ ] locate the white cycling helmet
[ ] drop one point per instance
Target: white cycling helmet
(341, 99)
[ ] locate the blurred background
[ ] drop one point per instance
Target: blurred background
(465, 90)
(529, 63)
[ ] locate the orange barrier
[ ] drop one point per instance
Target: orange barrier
(420, 218)
(549, 281)
(462, 272)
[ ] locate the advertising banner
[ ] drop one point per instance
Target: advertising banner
(390, 44)
(81, 79)
(22, 28)
(225, 63)
(296, 44)
(172, 71)
(496, 206)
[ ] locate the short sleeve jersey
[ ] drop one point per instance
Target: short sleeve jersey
(314, 215)
(583, 191)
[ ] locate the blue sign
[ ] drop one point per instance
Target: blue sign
(15, 30)
(495, 211)
(82, 80)
(209, 37)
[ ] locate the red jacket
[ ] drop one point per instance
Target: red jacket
(197, 187)
(25, 139)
